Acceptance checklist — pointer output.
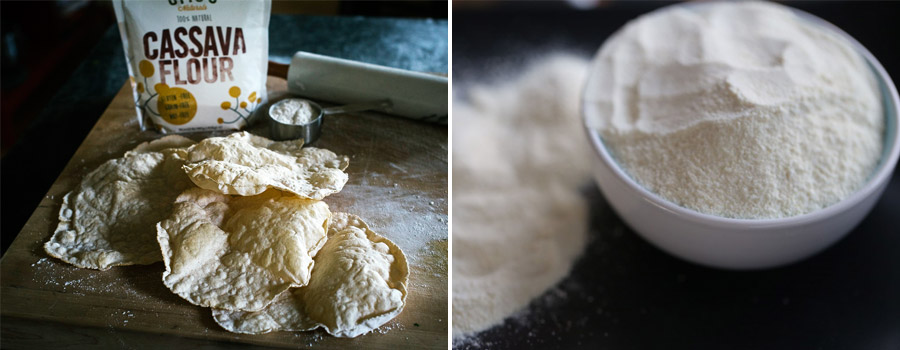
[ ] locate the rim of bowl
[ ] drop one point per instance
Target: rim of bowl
(883, 170)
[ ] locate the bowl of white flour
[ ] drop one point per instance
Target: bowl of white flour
(740, 135)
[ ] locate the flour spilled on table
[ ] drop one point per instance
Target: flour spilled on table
(402, 215)
(519, 157)
(67, 279)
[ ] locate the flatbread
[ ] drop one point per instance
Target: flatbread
(108, 219)
(172, 141)
(245, 164)
(240, 253)
(357, 285)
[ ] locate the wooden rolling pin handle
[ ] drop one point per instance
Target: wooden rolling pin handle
(278, 70)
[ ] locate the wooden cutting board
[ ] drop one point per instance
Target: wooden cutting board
(398, 184)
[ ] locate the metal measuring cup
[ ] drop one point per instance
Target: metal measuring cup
(309, 132)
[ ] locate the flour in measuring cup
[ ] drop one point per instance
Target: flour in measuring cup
(294, 111)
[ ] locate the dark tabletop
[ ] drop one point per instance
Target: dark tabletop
(37, 159)
(626, 294)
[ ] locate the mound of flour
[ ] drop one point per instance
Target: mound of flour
(294, 111)
(519, 223)
(741, 110)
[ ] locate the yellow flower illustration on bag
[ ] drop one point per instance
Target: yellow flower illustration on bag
(235, 92)
(176, 105)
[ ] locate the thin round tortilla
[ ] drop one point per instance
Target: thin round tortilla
(245, 164)
(357, 285)
(107, 220)
(240, 253)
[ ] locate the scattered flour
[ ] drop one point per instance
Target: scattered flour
(313, 339)
(64, 278)
(519, 156)
(398, 215)
(387, 327)
(294, 111)
(740, 110)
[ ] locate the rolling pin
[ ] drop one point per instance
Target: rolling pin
(414, 95)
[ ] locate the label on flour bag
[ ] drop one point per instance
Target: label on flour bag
(195, 65)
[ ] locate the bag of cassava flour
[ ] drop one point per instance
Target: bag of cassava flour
(195, 65)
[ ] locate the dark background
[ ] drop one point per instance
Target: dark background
(626, 294)
(63, 63)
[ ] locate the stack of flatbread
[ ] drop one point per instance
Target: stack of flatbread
(240, 224)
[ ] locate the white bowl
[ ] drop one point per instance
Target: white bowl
(743, 243)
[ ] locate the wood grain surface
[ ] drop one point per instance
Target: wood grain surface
(398, 184)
